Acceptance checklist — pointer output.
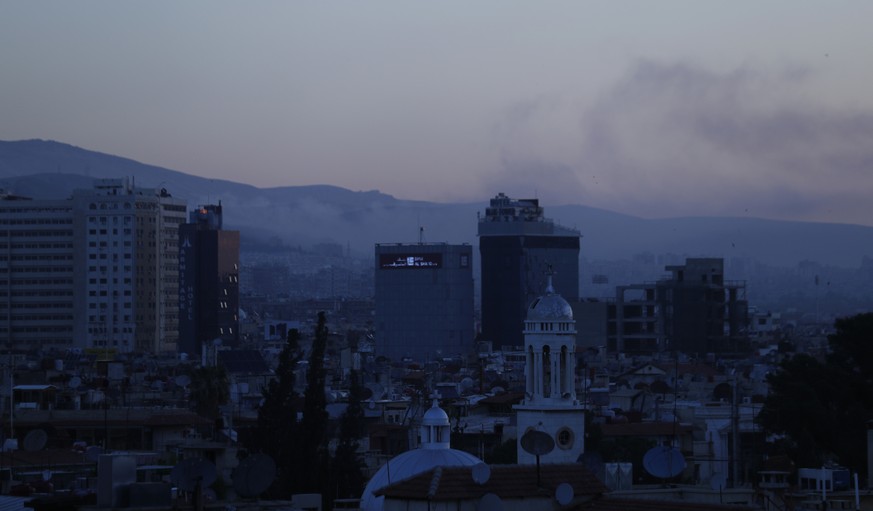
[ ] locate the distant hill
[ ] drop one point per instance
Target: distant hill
(305, 215)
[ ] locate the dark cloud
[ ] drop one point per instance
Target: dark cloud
(680, 139)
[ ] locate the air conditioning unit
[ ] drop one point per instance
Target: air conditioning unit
(618, 476)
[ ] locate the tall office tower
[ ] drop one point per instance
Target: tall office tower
(36, 273)
(518, 247)
(128, 257)
(424, 300)
(208, 281)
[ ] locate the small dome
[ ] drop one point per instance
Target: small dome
(550, 307)
(435, 416)
(434, 452)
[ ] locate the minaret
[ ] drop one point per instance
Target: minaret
(550, 403)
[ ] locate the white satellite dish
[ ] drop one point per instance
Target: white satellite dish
(664, 462)
(564, 494)
(489, 502)
(183, 380)
(35, 440)
(481, 473)
(74, 382)
(254, 475)
(717, 481)
(190, 472)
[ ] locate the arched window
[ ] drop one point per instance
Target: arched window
(547, 372)
(529, 370)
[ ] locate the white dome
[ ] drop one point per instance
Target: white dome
(408, 464)
(435, 416)
(550, 307)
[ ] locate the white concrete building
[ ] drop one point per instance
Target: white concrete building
(129, 275)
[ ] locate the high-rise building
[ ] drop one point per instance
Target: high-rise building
(208, 281)
(695, 310)
(127, 257)
(98, 270)
(424, 300)
(36, 273)
(518, 247)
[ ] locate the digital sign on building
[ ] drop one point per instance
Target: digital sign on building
(401, 261)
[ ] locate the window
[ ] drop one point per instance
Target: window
(564, 438)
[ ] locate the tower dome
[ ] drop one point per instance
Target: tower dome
(434, 452)
(551, 306)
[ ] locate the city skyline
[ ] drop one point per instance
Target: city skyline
(655, 110)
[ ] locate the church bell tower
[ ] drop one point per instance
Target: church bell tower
(550, 403)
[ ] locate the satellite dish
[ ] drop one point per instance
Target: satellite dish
(35, 440)
(191, 471)
(717, 481)
(93, 453)
(74, 382)
(497, 390)
(664, 462)
(254, 475)
(183, 380)
(481, 473)
(489, 502)
(564, 494)
(467, 383)
(537, 443)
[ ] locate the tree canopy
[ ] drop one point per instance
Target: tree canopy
(822, 406)
(277, 419)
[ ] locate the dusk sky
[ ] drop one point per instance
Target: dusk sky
(655, 109)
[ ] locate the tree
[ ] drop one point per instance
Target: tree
(313, 426)
(346, 468)
(822, 407)
(277, 420)
(210, 389)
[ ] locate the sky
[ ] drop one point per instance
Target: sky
(654, 109)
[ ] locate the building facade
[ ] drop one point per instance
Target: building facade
(209, 281)
(518, 247)
(37, 292)
(127, 254)
(96, 271)
(694, 311)
(424, 300)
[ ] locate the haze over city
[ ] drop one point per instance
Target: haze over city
(651, 109)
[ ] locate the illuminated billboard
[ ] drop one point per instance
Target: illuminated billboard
(400, 261)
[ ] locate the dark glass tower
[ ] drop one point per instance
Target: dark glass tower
(518, 247)
(208, 281)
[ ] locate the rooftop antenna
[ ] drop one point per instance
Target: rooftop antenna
(550, 289)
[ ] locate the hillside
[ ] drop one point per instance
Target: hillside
(304, 215)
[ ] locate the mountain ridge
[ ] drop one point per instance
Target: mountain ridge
(309, 214)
